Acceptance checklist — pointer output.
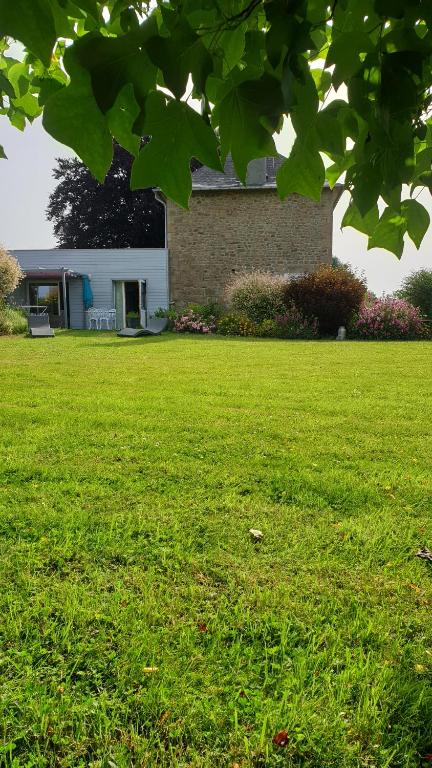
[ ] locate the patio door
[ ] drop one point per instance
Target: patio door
(132, 303)
(47, 298)
(130, 297)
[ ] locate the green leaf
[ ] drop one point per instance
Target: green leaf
(32, 23)
(6, 86)
(389, 232)
(28, 104)
(302, 173)
(17, 119)
(364, 181)
(418, 220)
(47, 88)
(63, 25)
(366, 224)
(178, 134)
(18, 76)
(114, 62)
(241, 122)
(423, 161)
(89, 6)
(3, 155)
(121, 118)
(180, 55)
(232, 44)
(73, 117)
(304, 97)
(322, 80)
(345, 52)
(393, 8)
(329, 131)
(334, 172)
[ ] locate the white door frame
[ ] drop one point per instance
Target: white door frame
(142, 312)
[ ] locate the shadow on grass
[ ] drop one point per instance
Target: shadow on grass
(112, 340)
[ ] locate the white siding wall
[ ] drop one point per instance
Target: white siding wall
(104, 266)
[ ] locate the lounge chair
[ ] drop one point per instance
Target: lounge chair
(39, 326)
(155, 326)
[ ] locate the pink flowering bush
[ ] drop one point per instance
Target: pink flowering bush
(386, 319)
(191, 322)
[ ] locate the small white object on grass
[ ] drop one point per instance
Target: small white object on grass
(341, 336)
(255, 534)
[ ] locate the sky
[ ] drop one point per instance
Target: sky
(26, 182)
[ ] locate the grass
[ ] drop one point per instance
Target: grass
(12, 321)
(140, 624)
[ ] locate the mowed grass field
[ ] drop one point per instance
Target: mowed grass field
(141, 626)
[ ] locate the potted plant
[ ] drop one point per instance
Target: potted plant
(133, 320)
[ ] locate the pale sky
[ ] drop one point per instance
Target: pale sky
(26, 182)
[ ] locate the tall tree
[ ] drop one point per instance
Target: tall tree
(251, 63)
(90, 214)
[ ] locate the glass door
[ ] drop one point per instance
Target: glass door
(132, 303)
(47, 298)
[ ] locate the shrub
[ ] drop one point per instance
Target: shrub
(190, 322)
(388, 318)
(169, 314)
(257, 295)
(235, 324)
(293, 325)
(10, 273)
(11, 320)
(205, 311)
(417, 289)
(268, 328)
(331, 295)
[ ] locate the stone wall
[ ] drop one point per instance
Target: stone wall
(234, 230)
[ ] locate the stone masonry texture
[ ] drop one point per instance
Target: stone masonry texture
(230, 231)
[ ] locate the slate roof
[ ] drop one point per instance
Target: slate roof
(207, 179)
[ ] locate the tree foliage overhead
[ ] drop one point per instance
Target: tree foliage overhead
(88, 214)
(95, 70)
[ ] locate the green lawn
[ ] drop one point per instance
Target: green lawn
(141, 626)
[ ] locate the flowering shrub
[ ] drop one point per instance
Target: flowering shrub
(388, 318)
(10, 273)
(190, 322)
(236, 325)
(293, 325)
(332, 295)
(257, 295)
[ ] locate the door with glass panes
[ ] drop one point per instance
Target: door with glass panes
(47, 298)
(130, 297)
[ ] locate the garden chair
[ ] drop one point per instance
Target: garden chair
(39, 326)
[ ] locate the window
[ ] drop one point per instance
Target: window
(46, 295)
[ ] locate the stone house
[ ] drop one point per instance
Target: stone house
(230, 228)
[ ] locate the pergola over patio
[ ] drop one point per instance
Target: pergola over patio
(61, 276)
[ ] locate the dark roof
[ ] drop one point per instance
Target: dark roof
(206, 178)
